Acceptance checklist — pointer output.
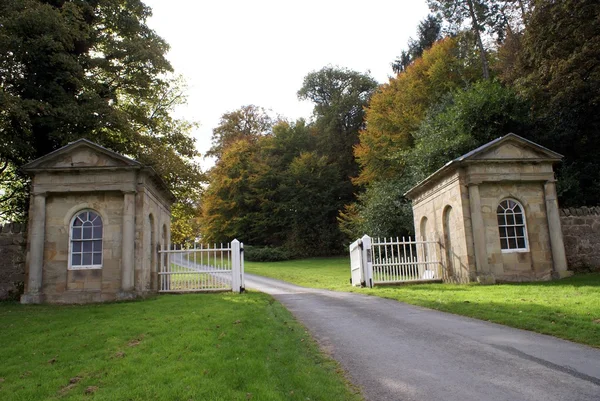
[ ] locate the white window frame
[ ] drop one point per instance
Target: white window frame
(71, 240)
(513, 225)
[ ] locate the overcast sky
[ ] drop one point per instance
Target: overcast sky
(234, 52)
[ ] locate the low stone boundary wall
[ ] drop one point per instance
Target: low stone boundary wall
(12, 260)
(581, 233)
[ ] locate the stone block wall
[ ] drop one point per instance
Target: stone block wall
(581, 233)
(12, 260)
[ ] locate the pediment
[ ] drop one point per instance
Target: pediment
(80, 154)
(512, 147)
(511, 151)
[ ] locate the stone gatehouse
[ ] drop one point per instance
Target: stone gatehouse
(496, 213)
(96, 221)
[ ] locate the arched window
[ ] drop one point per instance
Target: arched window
(511, 223)
(86, 241)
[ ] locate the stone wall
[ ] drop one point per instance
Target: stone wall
(12, 260)
(581, 233)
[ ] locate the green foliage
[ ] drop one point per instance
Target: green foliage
(175, 347)
(463, 121)
(340, 96)
(558, 71)
(73, 69)
(381, 211)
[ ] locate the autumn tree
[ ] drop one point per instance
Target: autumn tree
(398, 107)
(89, 69)
(248, 123)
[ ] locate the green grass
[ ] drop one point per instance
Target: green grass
(568, 308)
(174, 347)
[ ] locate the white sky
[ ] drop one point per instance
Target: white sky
(235, 52)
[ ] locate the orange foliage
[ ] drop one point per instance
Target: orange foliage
(398, 107)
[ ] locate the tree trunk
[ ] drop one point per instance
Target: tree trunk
(476, 29)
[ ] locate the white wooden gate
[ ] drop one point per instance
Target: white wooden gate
(395, 261)
(202, 268)
(360, 262)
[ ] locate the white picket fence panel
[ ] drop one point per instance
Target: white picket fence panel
(202, 268)
(396, 260)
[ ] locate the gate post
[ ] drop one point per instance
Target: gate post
(367, 261)
(236, 266)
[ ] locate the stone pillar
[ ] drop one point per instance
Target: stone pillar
(483, 272)
(128, 245)
(557, 244)
(37, 237)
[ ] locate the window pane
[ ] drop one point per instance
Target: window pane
(510, 219)
(510, 231)
(501, 220)
(87, 259)
(97, 258)
(511, 204)
(77, 222)
(76, 260)
(97, 246)
(520, 231)
(97, 231)
(503, 244)
(76, 232)
(87, 246)
(87, 232)
(512, 243)
(92, 216)
(502, 232)
(521, 242)
(76, 246)
(519, 219)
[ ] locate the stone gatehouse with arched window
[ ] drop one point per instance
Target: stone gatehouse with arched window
(96, 222)
(495, 212)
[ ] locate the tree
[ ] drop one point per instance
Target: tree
(309, 186)
(228, 203)
(248, 123)
(72, 69)
(429, 31)
(476, 11)
(558, 71)
(463, 121)
(339, 96)
(398, 107)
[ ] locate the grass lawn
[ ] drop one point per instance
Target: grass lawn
(174, 347)
(568, 308)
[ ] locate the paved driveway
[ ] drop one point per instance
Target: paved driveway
(395, 351)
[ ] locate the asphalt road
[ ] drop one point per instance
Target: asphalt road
(395, 351)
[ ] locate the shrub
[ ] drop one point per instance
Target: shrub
(266, 254)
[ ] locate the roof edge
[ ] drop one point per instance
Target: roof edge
(553, 157)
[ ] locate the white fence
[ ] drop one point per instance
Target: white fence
(202, 268)
(393, 261)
